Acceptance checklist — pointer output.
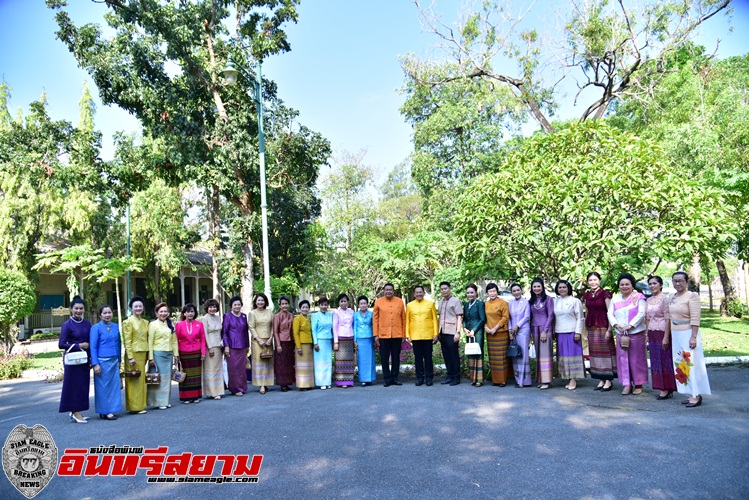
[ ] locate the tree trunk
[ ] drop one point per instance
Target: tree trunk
(728, 292)
(745, 267)
(214, 232)
(119, 302)
(710, 294)
(694, 275)
(156, 280)
(247, 277)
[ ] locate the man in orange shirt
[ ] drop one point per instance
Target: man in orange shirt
(389, 325)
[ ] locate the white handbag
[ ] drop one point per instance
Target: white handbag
(532, 352)
(472, 348)
(74, 358)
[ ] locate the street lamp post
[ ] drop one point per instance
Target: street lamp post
(231, 74)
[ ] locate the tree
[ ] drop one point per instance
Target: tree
(608, 47)
(17, 300)
(586, 198)
(204, 131)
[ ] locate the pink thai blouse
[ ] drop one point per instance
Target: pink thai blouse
(656, 314)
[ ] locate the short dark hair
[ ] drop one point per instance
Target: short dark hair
(186, 308)
(323, 300)
(593, 274)
(419, 286)
(445, 283)
(284, 297)
(388, 284)
(492, 286)
(475, 288)
(626, 276)
(360, 298)
(234, 299)
(565, 283)
(259, 295)
(516, 285)
(302, 303)
(211, 302)
(136, 298)
(686, 276)
(105, 306)
(343, 296)
(656, 278)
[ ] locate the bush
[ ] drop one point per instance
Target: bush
(45, 336)
(737, 309)
(13, 366)
(17, 300)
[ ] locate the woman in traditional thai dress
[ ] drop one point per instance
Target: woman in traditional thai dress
(213, 364)
(627, 316)
(343, 343)
(163, 353)
(568, 328)
(600, 341)
(302, 328)
(364, 343)
(260, 322)
(74, 337)
(474, 319)
(236, 338)
(520, 331)
(498, 336)
(658, 334)
(688, 356)
(542, 317)
(135, 338)
(283, 323)
(322, 336)
(191, 343)
(106, 354)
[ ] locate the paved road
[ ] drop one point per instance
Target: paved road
(426, 442)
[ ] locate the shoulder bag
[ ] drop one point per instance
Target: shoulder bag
(153, 377)
(75, 358)
(177, 374)
(514, 351)
(472, 348)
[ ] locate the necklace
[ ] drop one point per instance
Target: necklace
(189, 327)
(77, 320)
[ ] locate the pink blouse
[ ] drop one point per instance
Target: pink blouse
(656, 314)
(343, 324)
(190, 337)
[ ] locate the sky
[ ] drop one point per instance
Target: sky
(342, 74)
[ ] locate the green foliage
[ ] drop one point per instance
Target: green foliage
(285, 285)
(45, 336)
(736, 308)
(12, 366)
(582, 199)
(17, 300)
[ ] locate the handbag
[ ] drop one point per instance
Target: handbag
(514, 351)
(624, 341)
(153, 377)
(177, 374)
(532, 351)
(266, 352)
(74, 358)
(472, 348)
(132, 373)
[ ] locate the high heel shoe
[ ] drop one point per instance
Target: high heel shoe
(72, 417)
(696, 403)
(667, 396)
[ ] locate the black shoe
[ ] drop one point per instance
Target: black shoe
(397, 382)
(419, 383)
(429, 383)
(455, 382)
(685, 402)
(387, 384)
(696, 403)
(670, 394)
(607, 389)
(446, 381)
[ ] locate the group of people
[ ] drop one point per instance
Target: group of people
(210, 354)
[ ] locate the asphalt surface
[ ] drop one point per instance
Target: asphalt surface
(424, 442)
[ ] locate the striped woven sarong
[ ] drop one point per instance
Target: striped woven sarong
(213, 373)
(262, 369)
(191, 388)
(344, 362)
(521, 365)
(284, 367)
(661, 362)
(135, 387)
(544, 359)
(305, 372)
(498, 362)
(570, 362)
(476, 363)
(602, 354)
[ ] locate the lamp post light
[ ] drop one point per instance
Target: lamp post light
(231, 75)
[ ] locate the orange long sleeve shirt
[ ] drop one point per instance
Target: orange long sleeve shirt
(389, 318)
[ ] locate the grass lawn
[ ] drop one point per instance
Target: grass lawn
(724, 336)
(47, 361)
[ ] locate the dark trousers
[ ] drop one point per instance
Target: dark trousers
(451, 355)
(390, 348)
(423, 360)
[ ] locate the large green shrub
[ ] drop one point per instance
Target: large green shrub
(17, 300)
